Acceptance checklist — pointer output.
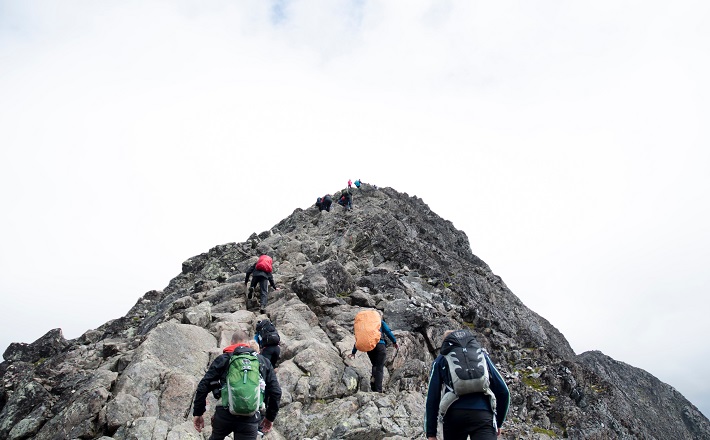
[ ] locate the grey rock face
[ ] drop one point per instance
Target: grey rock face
(51, 343)
(135, 377)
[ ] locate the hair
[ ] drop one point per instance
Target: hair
(253, 344)
(447, 333)
(240, 335)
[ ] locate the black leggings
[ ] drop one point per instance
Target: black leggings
(461, 424)
(263, 283)
(272, 353)
(378, 356)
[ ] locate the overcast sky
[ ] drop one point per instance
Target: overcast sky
(569, 141)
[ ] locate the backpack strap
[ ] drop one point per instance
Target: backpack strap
(448, 396)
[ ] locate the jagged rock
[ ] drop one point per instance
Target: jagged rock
(144, 428)
(121, 409)
(79, 418)
(135, 377)
(169, 349)
(199, 315)
(21, 416)
(51, 343)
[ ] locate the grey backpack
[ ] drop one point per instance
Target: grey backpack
(467, 368)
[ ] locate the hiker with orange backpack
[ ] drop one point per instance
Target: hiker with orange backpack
(370, 331)
(261, 273)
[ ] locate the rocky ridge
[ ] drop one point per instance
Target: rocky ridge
(135, 377)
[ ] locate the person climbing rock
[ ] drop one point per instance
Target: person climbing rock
(370, 331)
(225, 421)
(323, 203)
(358, 183)
(261, 274)
(268, 339)
(466, 390)
(326, 202)
(346, 200)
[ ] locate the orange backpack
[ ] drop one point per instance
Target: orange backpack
(264, 264)
(367, 330)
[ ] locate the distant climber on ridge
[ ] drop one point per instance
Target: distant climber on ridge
(358, 183)
(370, 332)
(326, 202)
(323, 203)
(346, 200)
(261, 273)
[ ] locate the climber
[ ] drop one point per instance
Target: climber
(268, 339)
(223, 421)
(473, 406)
(370, 331)
(261, 273)
(326, 202)
(350, 184)
(358, 183)
(346, 200)
(319, 203)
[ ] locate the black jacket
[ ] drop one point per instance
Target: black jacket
(259, 274)
(218, 371)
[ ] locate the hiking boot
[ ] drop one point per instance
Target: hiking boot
(250, 295)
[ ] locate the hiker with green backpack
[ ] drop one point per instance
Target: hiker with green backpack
(245, 380)
(466, 393)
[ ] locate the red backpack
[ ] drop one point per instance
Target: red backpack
(264, 264)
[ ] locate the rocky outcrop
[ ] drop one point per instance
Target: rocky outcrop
(135, 377)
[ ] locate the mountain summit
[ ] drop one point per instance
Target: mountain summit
(135, 377)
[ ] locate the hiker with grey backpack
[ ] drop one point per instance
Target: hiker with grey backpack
(247, 389)
(466, 392)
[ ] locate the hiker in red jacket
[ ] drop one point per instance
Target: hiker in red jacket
(260, 273)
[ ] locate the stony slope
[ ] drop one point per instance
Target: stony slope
(134, 377)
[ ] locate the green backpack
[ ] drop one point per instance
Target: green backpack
(241, 392)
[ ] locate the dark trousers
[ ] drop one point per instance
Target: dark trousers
(378, 356)
(476, 424)
(224, 423)
(272, 353)
(263, 285)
